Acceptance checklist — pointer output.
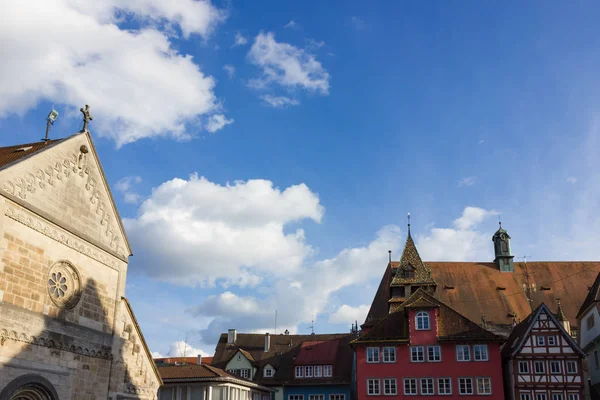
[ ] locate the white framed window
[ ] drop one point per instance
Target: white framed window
(245, 373)
(422, 321)
(410, 386)
(571, 367)
(299, 372)
(417, 354)
(337, 397)
(524, 396)
(555, 367)
(463, 353)
(541, 341)
(389, 354)
(539, 367)
(480, 352)
(318, 371)
(465, 386)
(557, 396)
(327, 371)
(524, 367)
(372, 354)
(390, 386)
(268, 372)
(434, 353)
(373, 387)
(444, 386)
(316, 397)
(309, 371)
(484, 386)
(551, 340)
(427, 388)
(540, 396)
(296, 397)
(573, 396)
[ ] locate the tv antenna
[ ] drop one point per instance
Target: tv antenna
(312, 327)
(50, 119)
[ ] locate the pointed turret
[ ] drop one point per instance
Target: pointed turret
(503, 259)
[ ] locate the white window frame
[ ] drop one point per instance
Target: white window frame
(308, 372)
(541, 396)
(460, 353)
(268, 372)
(246, 372)
(391, 392)
(376, 385)
(389, 354)
(413, 383)
(573, 363)
(443, 392)
(484, 379)
(555, 363)
(373, 355)
(299, 369)
(318, 371)
(573, 396)
(552, 340)
(327, 371)
(422, 321)
(483, 350)
(524, 396)
(540, 340)
(439, 353)
(523, 370)
(427, 381)
(414, 351)
(337, 396)
(295, 397)
(557, 396)
(466, 379)
(535, 370)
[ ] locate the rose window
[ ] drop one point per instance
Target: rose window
(64, 285)
(57, 284)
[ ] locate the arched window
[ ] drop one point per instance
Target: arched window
(422, 321)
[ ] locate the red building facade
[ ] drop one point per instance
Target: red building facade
(425, 348)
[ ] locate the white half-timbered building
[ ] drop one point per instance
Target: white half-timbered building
(541, 361)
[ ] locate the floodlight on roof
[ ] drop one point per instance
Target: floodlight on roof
(52, 116)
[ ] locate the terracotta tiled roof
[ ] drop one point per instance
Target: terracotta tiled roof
(452, 326)
(202, 373)
(592, 296)
(479, 289)
(182, 360)
(318, 352)
(283, 355)
(11, 154)
(521, 331)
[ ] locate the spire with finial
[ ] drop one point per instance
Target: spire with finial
(408, 217)
(562, 317)
(390, 256)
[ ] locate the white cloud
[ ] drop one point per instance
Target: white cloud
(156, 354)
(239, 40)
(279, 101)
(347, 314)
(292, 25)
(357, 23)
(571, 180)
(196, 231)
(85, 58)
(230, 69)
(125, 185)
(182, 348)
(467, 181)
(286, 65)
(463, 242)
(216, 122)
(312, 44)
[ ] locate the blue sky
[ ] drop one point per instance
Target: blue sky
(264, 156)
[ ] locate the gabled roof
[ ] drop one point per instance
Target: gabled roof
(519, 334)
(411, 258)
(317, 352)
(203, 373)
(592, 297)
(285, 352)
(452, 326)
(15, 153)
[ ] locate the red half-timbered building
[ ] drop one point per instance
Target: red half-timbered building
(541, 361)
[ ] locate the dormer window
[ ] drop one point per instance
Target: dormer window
(422, 321)
(268, 372)
(409, 272)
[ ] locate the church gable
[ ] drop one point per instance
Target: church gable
(65, 184)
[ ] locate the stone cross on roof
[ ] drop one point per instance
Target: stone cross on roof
(86, 117)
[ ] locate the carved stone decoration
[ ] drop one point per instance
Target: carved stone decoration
(64, 285)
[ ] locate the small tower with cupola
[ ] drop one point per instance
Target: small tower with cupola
(503, 258)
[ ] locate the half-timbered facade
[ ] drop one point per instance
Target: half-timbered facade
(541, 361)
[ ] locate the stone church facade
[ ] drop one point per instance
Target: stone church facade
(66, 329)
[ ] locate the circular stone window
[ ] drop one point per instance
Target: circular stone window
(64, 285)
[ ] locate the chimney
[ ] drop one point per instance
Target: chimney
(267, 342)
(231, 336)
(199, 359)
